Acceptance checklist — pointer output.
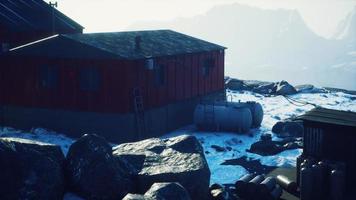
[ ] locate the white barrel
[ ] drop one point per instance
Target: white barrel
(224, 118)
(255, 108)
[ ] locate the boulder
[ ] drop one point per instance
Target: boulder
(93, 172)
(284, 88)
(235, 84)
(167, 191)
(179, 159)
(309, 89)
(266, 88)
(265, 148)
(30, 170)
(218, 192)
(288, 128)
(134, 197)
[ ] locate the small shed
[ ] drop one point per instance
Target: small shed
(101, 82)
(331, 135)
(25, 21)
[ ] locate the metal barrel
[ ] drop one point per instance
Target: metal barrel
(317, 181)
(286, 183)
(254, 187)
(269, 183)
(300, 160)
(276, 192)
(306, 184)
(241, 185)
(337, 184)
(324, 179)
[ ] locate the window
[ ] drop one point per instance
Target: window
(89, 79)
(208, 64)
(159, 75)
(48, 77)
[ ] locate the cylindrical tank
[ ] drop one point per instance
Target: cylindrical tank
(225, 118)
(337, 184)
(277, 192)
(317, 181)
(306, 183)
(269, 184)
(241, 185)
(255, 108)
(287, 184)
(254, 188)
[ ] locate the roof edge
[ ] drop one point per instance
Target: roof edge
(34, 42)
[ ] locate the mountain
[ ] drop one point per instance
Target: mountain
(346, 29)
(272, 45)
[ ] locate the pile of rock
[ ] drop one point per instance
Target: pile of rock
(271, 88)
(152, 169)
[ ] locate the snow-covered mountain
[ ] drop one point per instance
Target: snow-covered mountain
(346, 29)
(273, 44)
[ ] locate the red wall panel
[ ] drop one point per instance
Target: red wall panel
(183, 80)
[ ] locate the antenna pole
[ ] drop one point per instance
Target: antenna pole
(53, 5)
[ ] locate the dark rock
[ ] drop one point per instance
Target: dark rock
(284, 88)
(218, 192)
(229, 148)
(267, 88)
(218, 148)
(30, 170)
(182, 161)
(167, 191)
(288, 128)
(265, 148)
(235, 84)
(291, 145)
(93, 172)
(134, 197)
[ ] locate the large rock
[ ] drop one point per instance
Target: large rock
(309, 89)
(30, 170)
(93, 172)
(288, 128)
(284, 88)
(179, 159)
(235, 84)
(167, 191)
(162, 191)
(265, 148)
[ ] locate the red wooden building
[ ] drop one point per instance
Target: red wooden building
(23, 21)
(104, 82)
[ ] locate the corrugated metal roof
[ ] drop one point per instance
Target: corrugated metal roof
(33, 15)
(329, 116)
(121, 45)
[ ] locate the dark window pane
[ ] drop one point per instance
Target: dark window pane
(159, 75)
(48, 77)
(208, 64)
(89, 79)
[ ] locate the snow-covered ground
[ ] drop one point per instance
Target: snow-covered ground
(275, 109)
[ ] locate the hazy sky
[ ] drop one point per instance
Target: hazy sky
(115, 15)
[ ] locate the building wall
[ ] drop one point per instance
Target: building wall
(115, 127)
(183, 80)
